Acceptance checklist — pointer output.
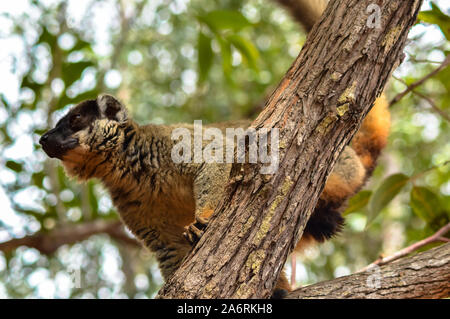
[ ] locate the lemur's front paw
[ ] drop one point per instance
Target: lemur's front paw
(194, 231)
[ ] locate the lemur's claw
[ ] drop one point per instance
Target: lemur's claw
(195, 231)
(201, 222)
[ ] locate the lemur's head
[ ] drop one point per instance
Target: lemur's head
(89, 128)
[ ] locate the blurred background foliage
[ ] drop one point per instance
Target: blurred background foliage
(176, 61)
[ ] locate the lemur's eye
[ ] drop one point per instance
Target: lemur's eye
(75, 120)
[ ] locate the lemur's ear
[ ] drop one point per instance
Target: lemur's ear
(111, 108)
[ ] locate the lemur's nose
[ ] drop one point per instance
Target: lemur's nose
(43, 138)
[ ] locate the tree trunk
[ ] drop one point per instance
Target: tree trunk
(425, 275)
(318, 107)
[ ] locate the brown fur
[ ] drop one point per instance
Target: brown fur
(305, 12)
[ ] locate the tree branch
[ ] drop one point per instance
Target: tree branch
(416, 84)
(425, 275)
(317, 107)
(433, 105)
(436, 237)
(48, 243)
(426, 98)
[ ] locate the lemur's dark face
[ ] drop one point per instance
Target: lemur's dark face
(63, 138)
(88, 129)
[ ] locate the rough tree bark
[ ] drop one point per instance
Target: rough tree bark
(318, 106)
(425, 275)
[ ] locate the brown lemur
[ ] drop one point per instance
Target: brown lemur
(165, 204)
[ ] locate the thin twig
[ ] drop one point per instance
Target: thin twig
(416, 176)
(433, 105)
(414, 85)
(412, 58)
(425, 61)
(436, 237)
(428, 99)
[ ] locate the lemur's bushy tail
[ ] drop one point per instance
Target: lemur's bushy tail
(373, 134)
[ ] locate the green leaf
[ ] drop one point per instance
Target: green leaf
(47, 37)
(205, 56)
(219, 20)
(38, 179)
(16, 167)
(62, 177)
(80, 44)
(383, 195)
(446, 204)
(444, 78)
(225, 49)
(436, 16)
(246, 48)
(28, 82)
(5, 138)
(71, 72)
(358, 202)
(425, 203)
(93, 201)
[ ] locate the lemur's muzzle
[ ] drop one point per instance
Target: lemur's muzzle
(55, 145)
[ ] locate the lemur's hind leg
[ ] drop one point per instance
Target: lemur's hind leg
(209, 185)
